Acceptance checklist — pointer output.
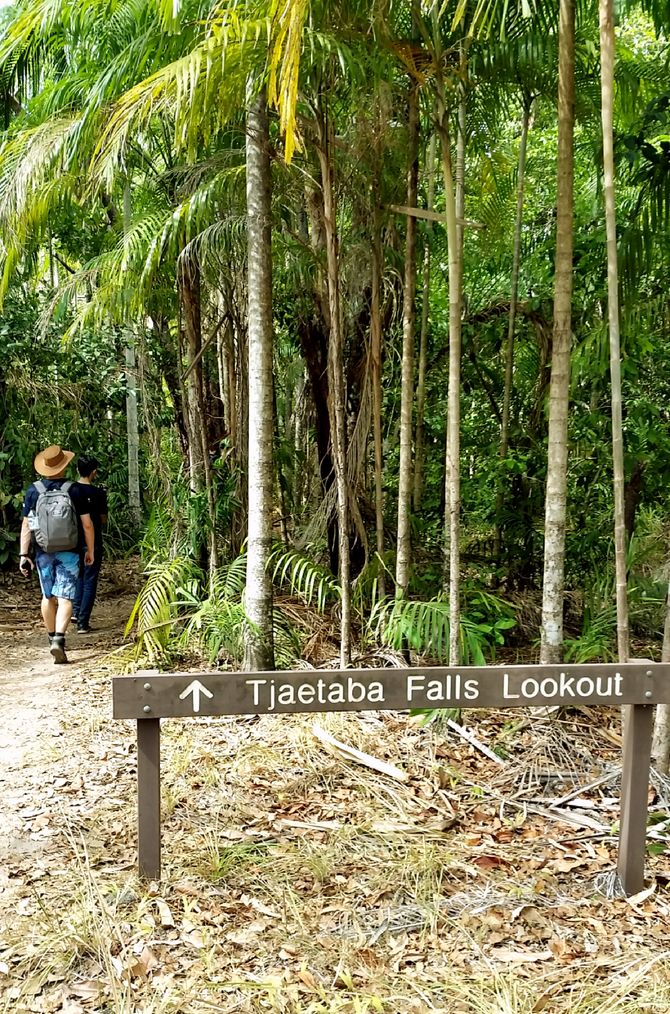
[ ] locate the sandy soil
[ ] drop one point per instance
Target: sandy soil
(40, 705)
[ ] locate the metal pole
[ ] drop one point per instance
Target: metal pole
(634, 788)
(149, 797)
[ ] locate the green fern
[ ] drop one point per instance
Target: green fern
(597, 640)
(219, 626)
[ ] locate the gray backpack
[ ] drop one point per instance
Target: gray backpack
(54, 520)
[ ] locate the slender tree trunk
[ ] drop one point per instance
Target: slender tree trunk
(607, 47)
(240, 444)
(460, 163)
(314, 341)
(223, 356)
(376, 361)
(189, 294)
(453, 491)
(551, 649)
(511, 322)
(404, 547)
(660, 747)
(281, 485)
(132, 431)
(336, 383)
(258, 596)
(420, 449)
(299, 455)
(201, 472)
(132, 414)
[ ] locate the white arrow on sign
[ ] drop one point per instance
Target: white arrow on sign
(196, 688)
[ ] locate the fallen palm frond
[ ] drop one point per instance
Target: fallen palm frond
(358, 756)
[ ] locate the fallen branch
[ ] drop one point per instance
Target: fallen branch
(352, 754)
(470, 738)
(549, 812)
(608, 777)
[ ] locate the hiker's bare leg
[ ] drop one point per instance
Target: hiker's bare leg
(63, 614)
(49, 607)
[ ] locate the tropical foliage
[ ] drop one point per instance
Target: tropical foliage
(124, 207)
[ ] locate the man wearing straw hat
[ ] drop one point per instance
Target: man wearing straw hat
(58, 571)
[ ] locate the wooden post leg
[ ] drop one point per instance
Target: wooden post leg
(634, 789)
(149, 797)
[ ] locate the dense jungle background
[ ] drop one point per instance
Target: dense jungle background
(272, 402)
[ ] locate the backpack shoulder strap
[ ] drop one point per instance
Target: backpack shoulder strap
(66, 486)
(40, 487)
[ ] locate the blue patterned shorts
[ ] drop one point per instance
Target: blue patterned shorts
(58, 574)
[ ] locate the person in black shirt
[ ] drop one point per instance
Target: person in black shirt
(96, 498)
(57, 571)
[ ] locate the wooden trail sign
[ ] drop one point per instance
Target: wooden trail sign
(147, 697)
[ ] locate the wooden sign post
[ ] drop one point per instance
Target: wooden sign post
(148, 697)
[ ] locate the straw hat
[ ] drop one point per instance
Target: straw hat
(52, 461)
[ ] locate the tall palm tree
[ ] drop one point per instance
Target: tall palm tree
(132, 421)
(607, 47)
(455, 282)
(336, 379)
(551, 648)
(423, 334)
(258, 594)
(405, 470)
(508, 355)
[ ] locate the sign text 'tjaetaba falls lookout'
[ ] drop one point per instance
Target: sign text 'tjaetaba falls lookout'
(148, 697)
(183, 695)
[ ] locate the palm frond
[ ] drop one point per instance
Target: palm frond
(286, 42)
(424, 626)
(305, 578)
(156, 607)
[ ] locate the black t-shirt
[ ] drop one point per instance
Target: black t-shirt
(96, 499)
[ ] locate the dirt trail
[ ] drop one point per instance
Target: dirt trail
(41, 713)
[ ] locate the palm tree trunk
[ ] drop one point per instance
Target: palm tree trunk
(455, 274)
(201, 473)
(189, 294)
(420, 450)
(607, 44)
(404, 547)
(132, 415)
(132, 431)
(299, 448)
(551, 648)
(511, 322)
(376, 363)
(223, 356)
(258, 595)
(336, 383)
